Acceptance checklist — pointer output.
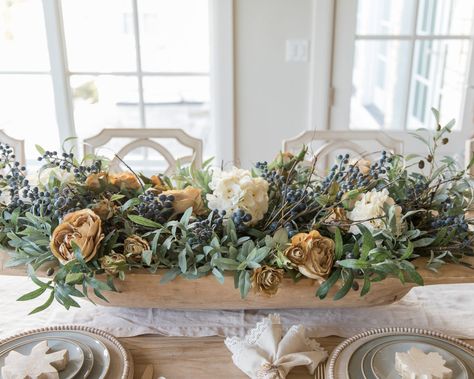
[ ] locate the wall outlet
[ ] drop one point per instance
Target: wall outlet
(297, 50)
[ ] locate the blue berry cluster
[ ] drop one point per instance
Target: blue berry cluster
(66, 162)
(289, 226)
(298, 200)
(30, 198)
(271, 176)
(158, 208)
(202, 232)
(203, 229)
(56, 203)
(239, 217)
(457, 222)
(415, 191)
(349, 176)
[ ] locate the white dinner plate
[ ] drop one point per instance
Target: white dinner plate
(76, 354)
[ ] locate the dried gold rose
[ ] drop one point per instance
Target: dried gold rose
(82, 227)
(185, 198)
(127, 180)
(113, 263)
(267, 279)
(158, 185)
(296, 252)
(105, 209)
(286, 157)
(362, 164)
(134, 246)
(94, 181)
(319, 256)
(339, 218)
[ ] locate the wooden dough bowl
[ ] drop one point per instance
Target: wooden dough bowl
(141, 289)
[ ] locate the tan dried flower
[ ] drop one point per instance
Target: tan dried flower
(296, 252)
(320, 253)
(82, 227)
(113, 263)
(134, 246)
(267, 279)
(126, 180)
(185, 198)
(94, 181)
(105, 209)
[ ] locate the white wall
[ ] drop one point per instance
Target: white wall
(272, 96)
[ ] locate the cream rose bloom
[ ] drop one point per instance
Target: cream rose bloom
(42, 179)
(237, 189)
(370, 207)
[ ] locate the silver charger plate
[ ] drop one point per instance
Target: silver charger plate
(365, 346)
(110, 359)
(76, 354)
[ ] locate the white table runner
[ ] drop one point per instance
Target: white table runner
(447, 308)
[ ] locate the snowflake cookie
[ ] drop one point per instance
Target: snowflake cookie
(415, 364)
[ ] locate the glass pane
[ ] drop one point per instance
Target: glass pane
(388, 17)
(104, 101)
(378, 101)
(174, 35)
(28, 111)
(445, 17)
(179, 102)
(23, 44)
(99, 35)
(439, 78)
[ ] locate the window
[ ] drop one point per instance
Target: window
(26, 88)
(395, 59)
(78, 66)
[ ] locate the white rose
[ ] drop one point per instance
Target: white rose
(369, 208)
(237, 189)
(5, 197)
(43, 177)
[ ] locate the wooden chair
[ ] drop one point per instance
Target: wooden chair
(17, 145)
(144, 138)
(328, 142)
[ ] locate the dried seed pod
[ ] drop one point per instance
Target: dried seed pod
(421, 164)
(445, 140)
(355, 286)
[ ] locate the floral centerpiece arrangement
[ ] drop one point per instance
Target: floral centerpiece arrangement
(360, 222)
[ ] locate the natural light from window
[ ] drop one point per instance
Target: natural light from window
(408, 59)
(130, 63)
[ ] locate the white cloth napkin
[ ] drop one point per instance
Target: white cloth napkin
(264, 353)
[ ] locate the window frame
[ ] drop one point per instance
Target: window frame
(333, 38)
(220, 74)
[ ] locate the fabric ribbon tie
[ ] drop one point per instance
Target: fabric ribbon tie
(269, 371)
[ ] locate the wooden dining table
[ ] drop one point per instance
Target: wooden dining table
(198, 357)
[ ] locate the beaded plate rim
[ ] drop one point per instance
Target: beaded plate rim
(127, 369)
(385, 331)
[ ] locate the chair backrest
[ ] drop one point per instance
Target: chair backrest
(18, 146)
(146, 138)
(328, 142)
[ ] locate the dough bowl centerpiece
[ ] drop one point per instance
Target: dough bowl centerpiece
(279, 235)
